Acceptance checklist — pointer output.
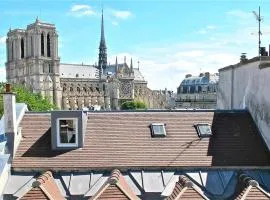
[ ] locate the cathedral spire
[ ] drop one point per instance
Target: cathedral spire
(102, 61)
(102, 38)
(116, 65)
(131, 65)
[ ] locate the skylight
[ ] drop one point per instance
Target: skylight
(203, 129)
(158, 130)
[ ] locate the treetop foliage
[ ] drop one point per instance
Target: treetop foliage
(34, 101)
(133, 105)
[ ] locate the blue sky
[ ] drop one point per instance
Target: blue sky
(169, 38)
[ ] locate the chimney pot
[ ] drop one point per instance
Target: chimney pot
(207, 75)
(8, 87)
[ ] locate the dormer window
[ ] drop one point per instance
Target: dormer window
(158, 130)
(203, 129)
(67, 132)
(67, 129)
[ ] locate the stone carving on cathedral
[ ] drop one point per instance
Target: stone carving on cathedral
(126, 88)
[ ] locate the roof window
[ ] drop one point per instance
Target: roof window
(203, 129)
(158, 130)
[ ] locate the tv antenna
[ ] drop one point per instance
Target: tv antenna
(259, 19)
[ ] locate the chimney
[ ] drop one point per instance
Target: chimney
(243, 57)
(10, 118)
(207, 75)
(188, 75)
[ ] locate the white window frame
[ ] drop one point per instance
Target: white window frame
(155, 134)
(202, 135)
(59, 144)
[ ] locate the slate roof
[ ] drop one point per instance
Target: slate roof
(123, 140)
(78, 71)
(203, 80)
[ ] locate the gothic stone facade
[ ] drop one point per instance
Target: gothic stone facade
(32, 60)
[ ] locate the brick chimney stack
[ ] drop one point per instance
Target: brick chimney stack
(10, 118)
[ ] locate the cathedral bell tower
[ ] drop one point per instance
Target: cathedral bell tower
(32, 59)
(102, 56)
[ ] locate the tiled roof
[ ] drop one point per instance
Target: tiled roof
(146, 185)
(186, 189)
(44, 188)
(250, 189)
(115, 187)
(122, 140)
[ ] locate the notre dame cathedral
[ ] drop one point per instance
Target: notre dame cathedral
(32, 60)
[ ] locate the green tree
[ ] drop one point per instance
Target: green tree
(34, 101)
(133, 105)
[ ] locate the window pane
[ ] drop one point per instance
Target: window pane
(158, 129)
(67, 131)
(205, 129)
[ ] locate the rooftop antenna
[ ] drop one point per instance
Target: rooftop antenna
(259, 19)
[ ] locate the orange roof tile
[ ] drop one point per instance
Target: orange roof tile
(186, 190)
(115, 187)
(250, 189)
(44, 188)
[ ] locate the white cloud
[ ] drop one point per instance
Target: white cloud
(81, 10)
(3, 40)
(115, 23)
(207, 29)
(165, 66)
(202, 31)
(121, 14)
(240, 14)
(211, 27)
(79, 7)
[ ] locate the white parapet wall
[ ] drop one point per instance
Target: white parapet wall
(4, 172)
(5, 160)
(247, 85)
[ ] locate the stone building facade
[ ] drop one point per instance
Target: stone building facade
(32, 60)
(198, 91)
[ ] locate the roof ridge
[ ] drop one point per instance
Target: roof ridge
(42, 179)
(248, 181)
(247, 184)
(45, 182)
(183, 184)
(185, 181)
(117, 180)
(115, 175)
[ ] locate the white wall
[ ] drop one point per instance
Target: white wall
(4, 175)
(247, 86)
